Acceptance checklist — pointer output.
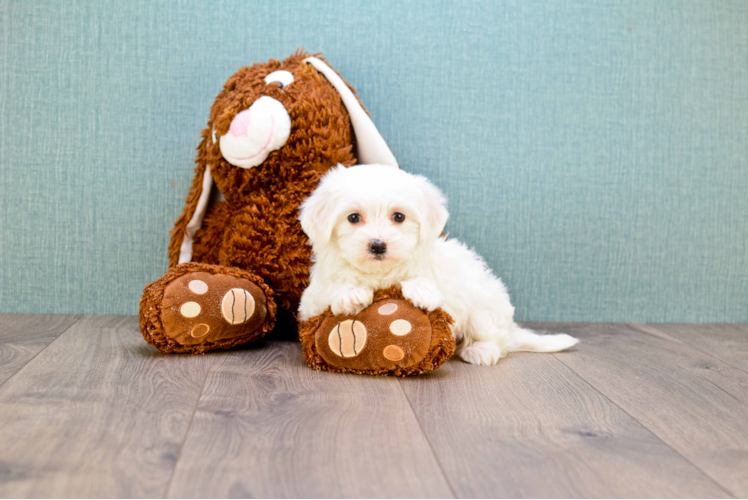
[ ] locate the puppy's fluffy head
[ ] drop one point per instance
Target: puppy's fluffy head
(373, 216)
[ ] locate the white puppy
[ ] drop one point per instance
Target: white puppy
(374, 226)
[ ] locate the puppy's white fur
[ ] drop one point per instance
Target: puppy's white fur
(432, 271)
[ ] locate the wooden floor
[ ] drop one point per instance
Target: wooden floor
(87, 409)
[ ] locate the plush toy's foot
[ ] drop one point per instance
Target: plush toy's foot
(390, 337)
(199, 307)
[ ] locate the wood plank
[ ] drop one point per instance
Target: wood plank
(23, 336)
(694, 402)
(530, 427)
(98, 413)
(726, 341)
(269, 426)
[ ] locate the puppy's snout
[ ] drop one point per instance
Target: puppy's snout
(378, 247)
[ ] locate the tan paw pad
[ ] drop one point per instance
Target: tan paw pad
(190, 309)
(198, 286)
(200, 330)
(237, 306)
(347, 338)
(387, 309)
(400, 327)
(393, 353)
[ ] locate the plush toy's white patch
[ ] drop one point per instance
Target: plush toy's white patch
(255, 133)
(282, 76)
(185, 250)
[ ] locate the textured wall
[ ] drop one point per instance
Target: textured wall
(596, 153)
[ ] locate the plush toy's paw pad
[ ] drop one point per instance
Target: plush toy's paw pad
(377, 337)
(390, 336)
(203, 307)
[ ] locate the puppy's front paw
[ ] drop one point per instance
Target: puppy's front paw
(351, 300)
(423, 293)
(481, 353)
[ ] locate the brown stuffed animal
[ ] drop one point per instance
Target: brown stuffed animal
(238, 256)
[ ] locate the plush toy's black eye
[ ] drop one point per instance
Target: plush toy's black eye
(398, 217)
(282, 76)
(354, 218)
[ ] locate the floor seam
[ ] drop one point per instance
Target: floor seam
(78, 320)
(730, 494)
(428, 441)
(688, 344)
(187, 431)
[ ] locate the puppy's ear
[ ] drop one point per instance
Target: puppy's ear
(318, 212)
(435, 214)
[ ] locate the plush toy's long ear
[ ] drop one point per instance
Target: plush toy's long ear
(183, 234)
(370, 145)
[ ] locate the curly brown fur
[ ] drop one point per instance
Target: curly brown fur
(265, 199)
(321, 137)
(256, 227)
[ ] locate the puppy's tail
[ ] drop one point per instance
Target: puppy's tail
(528, 340)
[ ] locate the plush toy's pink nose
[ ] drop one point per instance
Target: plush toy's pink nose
(239, 124)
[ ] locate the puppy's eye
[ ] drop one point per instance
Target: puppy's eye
(398, 217)
(354, 218)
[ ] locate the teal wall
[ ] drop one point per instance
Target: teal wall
(596, 153)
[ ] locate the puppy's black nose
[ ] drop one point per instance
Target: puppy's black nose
(378, 247)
